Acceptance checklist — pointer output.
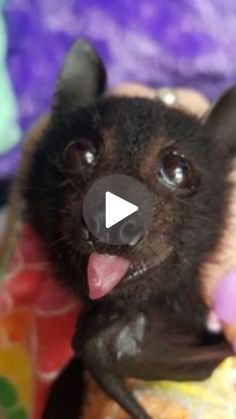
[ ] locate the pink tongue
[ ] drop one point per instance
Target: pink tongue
(104, 273)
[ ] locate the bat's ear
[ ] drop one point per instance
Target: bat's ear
(81, 79)
(220, 121)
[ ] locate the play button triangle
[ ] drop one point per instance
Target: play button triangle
(117, 209)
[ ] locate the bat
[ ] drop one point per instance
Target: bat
(152, 325)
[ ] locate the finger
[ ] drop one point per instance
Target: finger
(133, 90)
(191, 100)
(188, 99)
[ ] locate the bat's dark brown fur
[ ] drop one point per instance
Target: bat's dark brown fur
(152, 326)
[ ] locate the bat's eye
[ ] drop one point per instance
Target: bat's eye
(175, 171)
(80, 155)
(86, 151)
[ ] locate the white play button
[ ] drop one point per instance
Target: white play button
(117, 209)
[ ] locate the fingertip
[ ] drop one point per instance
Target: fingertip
(133, 90)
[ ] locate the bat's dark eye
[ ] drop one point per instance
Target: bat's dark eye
(86, 151)
(175, 171)
(81, 154)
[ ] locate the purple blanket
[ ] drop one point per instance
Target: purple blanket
(158, 42)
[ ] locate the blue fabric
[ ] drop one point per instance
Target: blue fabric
(9, 129)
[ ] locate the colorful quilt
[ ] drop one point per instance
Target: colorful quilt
(37, 320)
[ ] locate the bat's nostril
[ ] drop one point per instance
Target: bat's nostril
(84, 231)
(95, 224)
(131, 231)
(95, 219)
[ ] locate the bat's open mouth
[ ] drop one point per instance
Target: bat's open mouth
(137, 270)
(105, 271)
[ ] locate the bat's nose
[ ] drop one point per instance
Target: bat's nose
(118, 210)
(127, 232)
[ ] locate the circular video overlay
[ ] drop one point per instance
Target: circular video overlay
(118, 210)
